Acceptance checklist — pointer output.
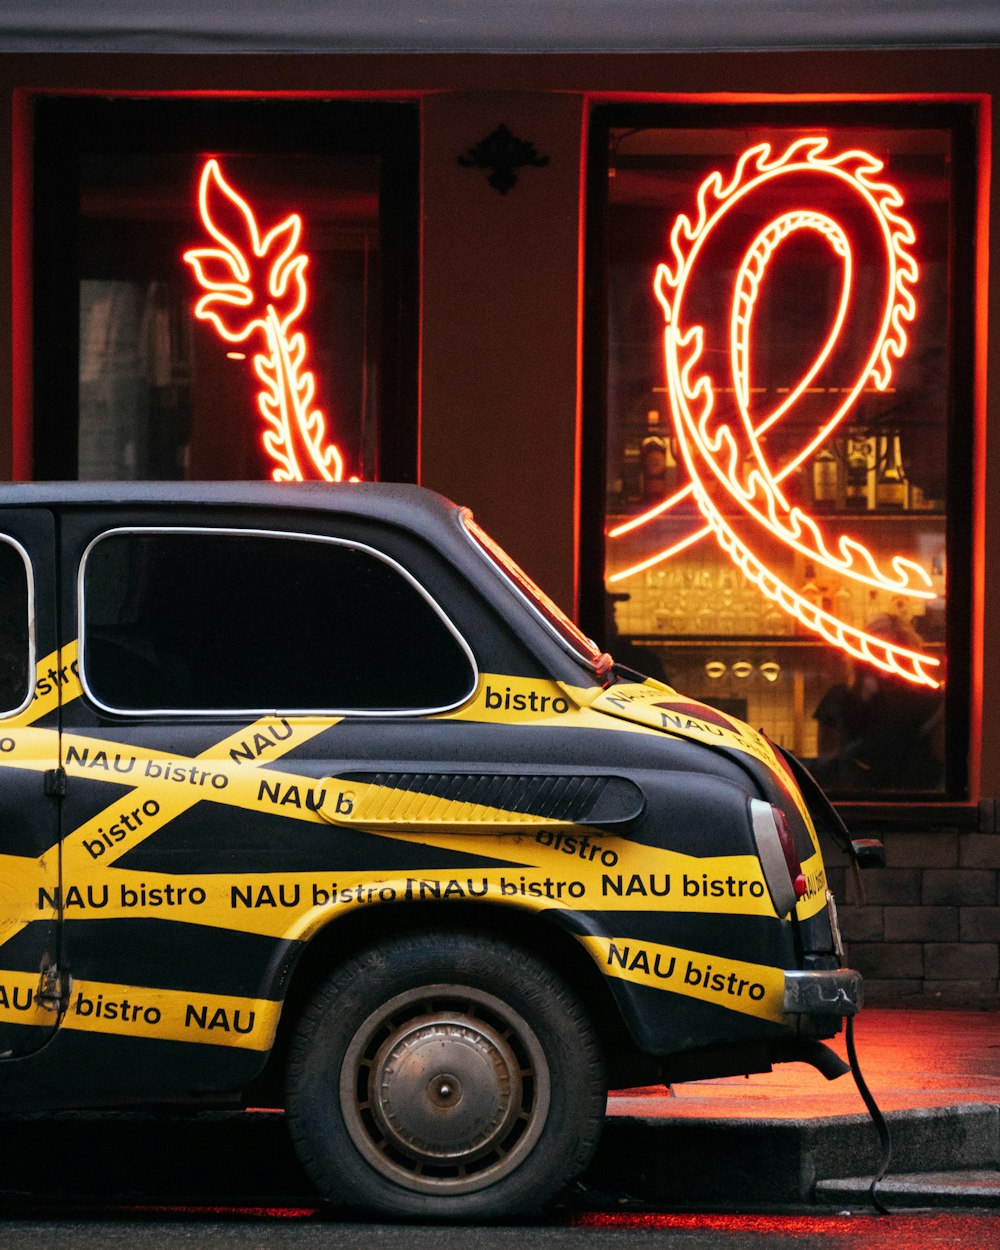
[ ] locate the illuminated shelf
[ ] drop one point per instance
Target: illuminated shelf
(738, 640)
(869, 514)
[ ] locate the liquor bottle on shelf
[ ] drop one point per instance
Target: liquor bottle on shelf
(843, 604)
(775, 621)
(891, 486)
(935, 611)
(750, 605)
(790, 484)
(671, 452)
(749, 462)
(857, 496)
(825, 480)
(939, 573)
(811, 590)
(658, 463)
(631, 475)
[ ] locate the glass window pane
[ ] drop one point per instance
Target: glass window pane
(243, 622)
(15, 656)
(780, 329)
(216, 284)
(162, 394)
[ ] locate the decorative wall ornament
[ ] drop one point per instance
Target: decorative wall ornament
(708, 377)
(256, 288)
(503, 152)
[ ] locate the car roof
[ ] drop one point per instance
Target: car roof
(415, 509)
(400, 503)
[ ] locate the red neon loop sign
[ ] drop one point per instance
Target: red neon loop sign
(255, 286)
(718, 432)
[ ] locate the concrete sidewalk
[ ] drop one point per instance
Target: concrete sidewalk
(909, 1059)
(792, 1136)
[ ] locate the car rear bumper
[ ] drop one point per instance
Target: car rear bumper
(823, 992)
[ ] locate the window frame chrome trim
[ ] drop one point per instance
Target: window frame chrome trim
(32, 629)
(240, 712)
(772, 858)
(600, 665)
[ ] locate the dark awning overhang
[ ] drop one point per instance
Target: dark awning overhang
(491, 26)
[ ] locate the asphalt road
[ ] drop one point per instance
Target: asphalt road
(220, 1180)
(594, 1231)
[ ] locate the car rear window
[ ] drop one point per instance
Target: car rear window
(247, 621)
(15, 614)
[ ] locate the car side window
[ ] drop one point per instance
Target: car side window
(15, 614)
(231, 620)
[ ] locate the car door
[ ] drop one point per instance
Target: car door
(34, 675)
(209, 654)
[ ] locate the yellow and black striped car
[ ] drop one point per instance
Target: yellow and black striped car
(308, 793)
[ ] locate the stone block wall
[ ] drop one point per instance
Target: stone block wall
(926, 928)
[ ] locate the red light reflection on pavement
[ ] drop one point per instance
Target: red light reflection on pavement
(910, 1230)
(232, 1213)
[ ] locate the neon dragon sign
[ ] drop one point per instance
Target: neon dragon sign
(255, 287)
(709, 374)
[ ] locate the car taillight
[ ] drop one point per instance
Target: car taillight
(778, 857)
(792, 860)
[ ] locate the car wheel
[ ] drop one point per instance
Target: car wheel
(445, 1075)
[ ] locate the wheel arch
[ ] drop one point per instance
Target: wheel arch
(311, 962)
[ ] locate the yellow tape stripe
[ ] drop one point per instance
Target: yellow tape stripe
(179, 785)
(172, 1015)
(734, 884)
(56, 680)
(294, 905)
(22, 881)
(170, 784)
(18, 1004)
(620, 869)
(144, 1011)
(143, 812)
(26, 747)
(260, 903)
(814, 899)
(667, 711)
(497, 702)
(649, 706)
(369, 806)
(751, 989)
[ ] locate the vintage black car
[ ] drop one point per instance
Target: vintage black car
(309, 796)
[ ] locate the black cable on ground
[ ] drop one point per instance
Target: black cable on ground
(878, 1119)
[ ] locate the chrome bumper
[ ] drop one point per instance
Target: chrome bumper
(837, 992)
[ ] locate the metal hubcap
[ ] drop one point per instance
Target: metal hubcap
(444, 1088)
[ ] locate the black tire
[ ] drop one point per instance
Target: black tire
(445, 1076)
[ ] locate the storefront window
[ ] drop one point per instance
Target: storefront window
(129, 384)
(787, 400)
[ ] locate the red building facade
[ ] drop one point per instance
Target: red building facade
(483, 226)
